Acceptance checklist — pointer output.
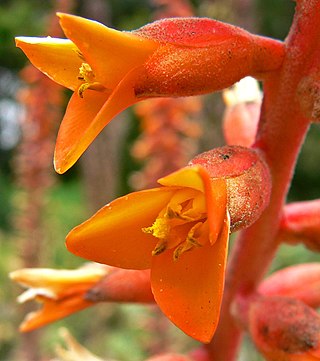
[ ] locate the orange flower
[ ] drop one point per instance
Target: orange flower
(181, 232)
(110, 70)
(60, 291)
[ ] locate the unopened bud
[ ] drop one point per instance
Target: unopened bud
(241, 116)
(300, 281)
(301, 223)
(247, 177)
(285, 329)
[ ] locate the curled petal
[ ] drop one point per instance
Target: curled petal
(189, 290)
(110, 53)
(58, 279)
(214, 190)
(86, 117)
(59, 59)
(54, 310)
(248, 180)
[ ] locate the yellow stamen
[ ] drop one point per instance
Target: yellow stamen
(160, 228)
(176, 214)
(180, 225)
(159, 248)
(87, 75)
(190, 242)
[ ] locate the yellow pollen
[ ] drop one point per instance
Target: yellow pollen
(160, 228)
(87, 76)
(180, 225)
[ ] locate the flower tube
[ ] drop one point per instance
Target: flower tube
(180, 231)
(110, 70)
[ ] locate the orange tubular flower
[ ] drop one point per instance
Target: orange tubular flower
(181, 232)
(60, 291)
(110, 70)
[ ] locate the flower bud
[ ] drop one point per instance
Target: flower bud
(300, 281)
(241, 116)
(301, 223)
(247, 177)
(285, 329)
(203, 55)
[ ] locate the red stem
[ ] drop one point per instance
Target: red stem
(280, 136)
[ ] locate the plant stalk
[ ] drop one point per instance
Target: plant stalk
(281, 133)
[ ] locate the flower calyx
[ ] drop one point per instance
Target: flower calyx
(247, 177)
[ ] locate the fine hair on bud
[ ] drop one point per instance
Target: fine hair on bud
(248, 181)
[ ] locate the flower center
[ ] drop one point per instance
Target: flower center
(87, 76)
(181, 225)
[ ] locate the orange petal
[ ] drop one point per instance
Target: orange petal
(114, 234)
(214, 189)
(189, 290)
(53, 310)
(110, 53)
(86, 117)
(57, 58)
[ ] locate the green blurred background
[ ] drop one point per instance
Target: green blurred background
(126, 333)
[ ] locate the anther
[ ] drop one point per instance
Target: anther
(160, 247)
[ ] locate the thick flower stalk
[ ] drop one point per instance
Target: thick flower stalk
(113, 70)
(61, 292)
(180, 231)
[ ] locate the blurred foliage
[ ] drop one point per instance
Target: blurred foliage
(19, 17)
(65, 208)
(274, 17)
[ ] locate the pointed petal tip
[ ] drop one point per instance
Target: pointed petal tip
(61, 15)
(14, 275)
(61, 165)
